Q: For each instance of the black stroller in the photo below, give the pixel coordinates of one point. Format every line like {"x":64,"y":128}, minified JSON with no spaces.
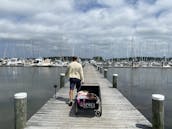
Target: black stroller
{"x":89,"y":98}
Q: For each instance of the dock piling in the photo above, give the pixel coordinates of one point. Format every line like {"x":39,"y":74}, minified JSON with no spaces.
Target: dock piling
{"x":55,"y":87}
{"x":115,"y":80}
{"x":98,"y":68}
{"x":101,"y":69}
{"x":158,"y":111}
{"x":62,"y":80}
{"x":20,"y":110}
{"x":105,"y":73}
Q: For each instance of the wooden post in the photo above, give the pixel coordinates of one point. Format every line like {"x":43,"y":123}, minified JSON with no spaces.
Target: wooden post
{"x":20,"y":110}
{"x":101,"y":69}
{"x":158,"y":111}
{"x":62,"y":80}
{"x":115,"y":80}
{"x":55,"y":87}
{"x":98,"y":68}
{"x":105,"y":73}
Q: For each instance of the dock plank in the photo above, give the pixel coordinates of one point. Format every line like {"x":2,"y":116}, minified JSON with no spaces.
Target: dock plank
{"x":117,"y":111}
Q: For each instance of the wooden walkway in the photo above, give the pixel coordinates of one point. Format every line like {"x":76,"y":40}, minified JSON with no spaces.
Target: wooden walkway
{"x":117,"y":111}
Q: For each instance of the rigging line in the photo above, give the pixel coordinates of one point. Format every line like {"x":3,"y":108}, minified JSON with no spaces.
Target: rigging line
{"x":32,"y":67}
{"x":5,"y":51}
{"x":14,"y":70}
{"x":24,"y":70}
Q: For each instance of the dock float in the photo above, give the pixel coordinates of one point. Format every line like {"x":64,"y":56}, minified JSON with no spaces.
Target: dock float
{"x":117,"y":111}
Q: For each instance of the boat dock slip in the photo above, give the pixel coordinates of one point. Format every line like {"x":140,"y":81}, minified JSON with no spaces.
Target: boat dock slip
{"x":117,"y":111}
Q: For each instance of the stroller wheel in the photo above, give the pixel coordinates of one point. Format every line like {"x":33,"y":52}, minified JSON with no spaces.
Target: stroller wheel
{"x":76,"y":113}
{"x":98,"y":113}
{"x":76,"y":108}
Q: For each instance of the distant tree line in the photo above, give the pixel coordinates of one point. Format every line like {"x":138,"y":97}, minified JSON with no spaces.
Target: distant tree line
{"x":99,"y":58}
{"x":64,"y":58}
{"x":142,"y":59}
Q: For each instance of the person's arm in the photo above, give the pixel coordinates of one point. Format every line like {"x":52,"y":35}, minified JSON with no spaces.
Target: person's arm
{"x":67,"y":72}
{"x":82,"y":75}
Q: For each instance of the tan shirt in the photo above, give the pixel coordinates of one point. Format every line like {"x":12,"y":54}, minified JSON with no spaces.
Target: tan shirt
{"x":74,"y":70}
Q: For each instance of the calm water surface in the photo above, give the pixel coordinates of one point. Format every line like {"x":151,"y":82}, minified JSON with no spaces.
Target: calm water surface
{"x":36,"y":81}
{"x":138,"y":85}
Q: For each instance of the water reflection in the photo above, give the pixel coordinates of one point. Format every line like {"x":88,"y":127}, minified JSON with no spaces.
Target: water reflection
{"x":37,"y":82}
{"x":138,"y":84}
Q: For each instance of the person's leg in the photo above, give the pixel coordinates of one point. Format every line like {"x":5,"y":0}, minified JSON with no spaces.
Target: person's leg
{"x":78,"y":84}
{"x":71,"y":91}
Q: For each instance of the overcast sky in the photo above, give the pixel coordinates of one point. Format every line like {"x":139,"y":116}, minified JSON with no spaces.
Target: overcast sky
{"x":86,"y":28}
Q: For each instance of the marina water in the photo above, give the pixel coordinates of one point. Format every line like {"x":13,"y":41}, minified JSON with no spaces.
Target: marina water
{"x":138,"y":85}
{"x":38,"y":82}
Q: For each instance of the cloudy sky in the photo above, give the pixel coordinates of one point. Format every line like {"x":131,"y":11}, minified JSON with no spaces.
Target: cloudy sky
{"x":86,"y":28}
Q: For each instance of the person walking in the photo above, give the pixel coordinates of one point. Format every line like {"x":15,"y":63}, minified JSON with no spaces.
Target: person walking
{"x":75,"y":74}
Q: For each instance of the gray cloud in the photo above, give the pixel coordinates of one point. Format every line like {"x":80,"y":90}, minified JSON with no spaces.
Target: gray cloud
{"x":105,"y":27}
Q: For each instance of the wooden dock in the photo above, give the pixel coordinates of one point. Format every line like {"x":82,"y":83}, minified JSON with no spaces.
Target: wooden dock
{"x":117,"y":111}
